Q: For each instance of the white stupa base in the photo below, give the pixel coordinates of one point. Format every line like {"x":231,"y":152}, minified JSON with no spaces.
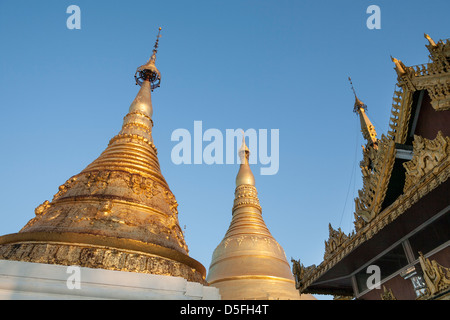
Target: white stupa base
{"x":26,"y":280}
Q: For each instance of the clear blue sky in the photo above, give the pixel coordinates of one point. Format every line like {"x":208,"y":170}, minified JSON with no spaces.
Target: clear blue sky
{"x":231,"y":64}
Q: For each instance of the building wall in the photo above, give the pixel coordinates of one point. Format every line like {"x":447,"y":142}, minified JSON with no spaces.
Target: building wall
{"x":36,"y":281}
{"x":403,"y":289}
{"x":442,"y":257}
{"x":431,"y":121}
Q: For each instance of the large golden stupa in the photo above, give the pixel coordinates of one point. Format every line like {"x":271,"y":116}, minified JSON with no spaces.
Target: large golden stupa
{"x":119,"y":212}
{"x":249,"y":263}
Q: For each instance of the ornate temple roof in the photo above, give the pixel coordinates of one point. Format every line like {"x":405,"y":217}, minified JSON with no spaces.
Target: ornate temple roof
{"x":249,"y":263}
{"x":422,"y":161}
{"x":119,"y":212}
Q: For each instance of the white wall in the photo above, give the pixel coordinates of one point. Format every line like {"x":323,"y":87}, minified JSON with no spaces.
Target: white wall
{"x":26,"y":280}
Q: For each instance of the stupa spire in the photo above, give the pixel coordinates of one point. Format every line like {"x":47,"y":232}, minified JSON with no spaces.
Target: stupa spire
{"x":430,"y":40}
{"x":245,"y":175}
{"x":139,"y":121}
{"x":149,"y":71}
{"x":367,"y":128}
{"x":249,"y":263}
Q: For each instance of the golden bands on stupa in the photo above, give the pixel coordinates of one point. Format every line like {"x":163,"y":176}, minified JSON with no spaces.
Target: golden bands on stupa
{"x":119,"y":212}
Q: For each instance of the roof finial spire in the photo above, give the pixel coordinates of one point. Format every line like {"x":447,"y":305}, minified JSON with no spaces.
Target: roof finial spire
{"x":358,"y":103}
{"x":430,"y":40}
{"x":400,"y":68}
{"x":351,"y":84}
{"x":367,"y":127}
{"x":148,"y":71}
{"x":155,"y":47}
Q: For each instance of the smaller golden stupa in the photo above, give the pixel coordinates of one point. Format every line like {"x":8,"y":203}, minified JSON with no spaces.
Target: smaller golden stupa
{"x":249,"y":263}
{"x":119,"y":212}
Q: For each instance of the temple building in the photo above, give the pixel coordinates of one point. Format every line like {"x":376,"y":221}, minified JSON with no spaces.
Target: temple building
{"x":400,"y":246}
{"x":249,"y":263}
{"x":117,"y":220}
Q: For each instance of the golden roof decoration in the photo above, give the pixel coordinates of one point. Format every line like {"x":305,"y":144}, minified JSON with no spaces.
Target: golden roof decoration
{"x":430,"y":157}
{"x":387,"y":294}
{"x":433,"y":76}
{"x":437,"y":277}
{"x":335,"y":240}
{"x":429,"y":167}
{"x":367,"y":127}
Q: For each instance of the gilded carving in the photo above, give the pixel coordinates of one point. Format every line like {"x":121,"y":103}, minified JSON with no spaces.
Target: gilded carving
{"x":142,"y":185}
{"x":135,"y":137}
{"x":428,"y":156}
{"x":254,"y":240}
{"x":41,"y":209}
{"x":40,"y":212}
{"x":171,"y":201}
{"x":111,"y":202}
{"x":246,"y":195}
{"x":440,"y":96}
{"x":104,"y":212}
{"x":434,"y":76}
{"x":97,"y":180}
{"x":340,"y":297}
{"x":437,"y":277}
{"x":64,"y":188}
{"x":359,"y":222}
{"x":98,"y":257}
{"x":300,"y":272}
{"x":376,"y":173}
{"x":397,"y":107}
{"x":387,"y":294}
{"x":336,"y":239}
{"x":121,"y":183}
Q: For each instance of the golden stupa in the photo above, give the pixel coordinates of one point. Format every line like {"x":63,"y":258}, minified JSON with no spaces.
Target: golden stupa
{"x":119,"y":212}
{"x":249,"y":263}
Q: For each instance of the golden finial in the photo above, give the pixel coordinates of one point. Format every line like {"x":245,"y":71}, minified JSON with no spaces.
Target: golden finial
{"x":367,"y":128}
{"x":149,"y":71}
{"x":432,"y":43}
{"x":155,"y":47}
{"x":358,"y":103}
{"x":245,"y":175}
{"x":244,"y":152}
{"x":399,"y":66}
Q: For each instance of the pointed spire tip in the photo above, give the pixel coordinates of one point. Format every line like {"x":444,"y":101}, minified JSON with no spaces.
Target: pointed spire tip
{"x":430,"y":40}
{"x":149,"y":71}
{"x":358,"y":103}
